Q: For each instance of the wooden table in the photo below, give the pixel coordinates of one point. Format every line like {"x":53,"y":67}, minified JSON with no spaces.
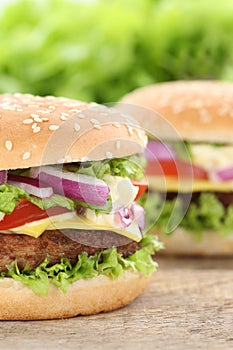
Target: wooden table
{"x":189,"y":305}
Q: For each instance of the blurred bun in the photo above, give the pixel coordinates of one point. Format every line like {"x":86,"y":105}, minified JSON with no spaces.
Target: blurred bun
{"x":198,"y":110}
{"x":183,"y":242}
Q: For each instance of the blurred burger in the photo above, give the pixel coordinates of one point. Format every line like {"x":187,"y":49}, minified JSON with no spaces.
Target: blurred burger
{"x":190,"y":163}
{"x":70,"y":229}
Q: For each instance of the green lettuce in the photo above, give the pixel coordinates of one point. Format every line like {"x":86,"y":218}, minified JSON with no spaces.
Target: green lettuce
{"x":93,"y":52}
{"x":206,"y":213}
{"x":131,"y":167}
{"x":108,"y":262}
{"x":10,"y":196}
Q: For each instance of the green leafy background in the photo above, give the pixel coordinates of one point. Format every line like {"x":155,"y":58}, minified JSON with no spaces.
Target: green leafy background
{"x":99,"y":50}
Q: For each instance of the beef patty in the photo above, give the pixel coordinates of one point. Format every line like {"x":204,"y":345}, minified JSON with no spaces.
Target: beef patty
{"x":55,"y":244}
{"x":226,"y":198}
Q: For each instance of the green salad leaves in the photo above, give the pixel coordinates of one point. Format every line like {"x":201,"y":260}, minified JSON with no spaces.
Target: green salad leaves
{"x":99,"y":50}
{"x":206,"y":213}
{"x":108,"y":262}
{"x":131,"y":167}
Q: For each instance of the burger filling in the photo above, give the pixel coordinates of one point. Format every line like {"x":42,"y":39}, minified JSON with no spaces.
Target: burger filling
{"x":191,"y":187}
{"x":80,"y":220}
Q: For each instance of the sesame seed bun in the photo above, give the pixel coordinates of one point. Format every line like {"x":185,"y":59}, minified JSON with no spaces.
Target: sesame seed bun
{"x":84,"y":297}
{"x":197,"y":110}
{"x":38,"y":130}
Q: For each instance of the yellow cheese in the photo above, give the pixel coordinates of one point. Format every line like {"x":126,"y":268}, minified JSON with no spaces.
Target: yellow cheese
{"x":212,"y":157}
{"x":73,"y":221}
{"x":171,"y":184}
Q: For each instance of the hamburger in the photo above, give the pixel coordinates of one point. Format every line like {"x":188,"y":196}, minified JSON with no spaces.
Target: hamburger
{"x":70,"y":229}
{"x":190,"y":164}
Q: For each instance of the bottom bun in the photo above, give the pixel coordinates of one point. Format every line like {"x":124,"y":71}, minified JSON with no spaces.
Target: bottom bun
{"x":84,"y":297}
{"x":183,"y":242}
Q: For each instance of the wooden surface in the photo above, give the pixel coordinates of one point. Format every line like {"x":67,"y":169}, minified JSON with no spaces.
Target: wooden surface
{"x":189,"y":305}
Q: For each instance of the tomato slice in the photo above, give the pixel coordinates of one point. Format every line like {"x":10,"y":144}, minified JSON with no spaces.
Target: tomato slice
{"x":26,"y":212}
{"x":175,"y":168}
{"x":142,"y":185}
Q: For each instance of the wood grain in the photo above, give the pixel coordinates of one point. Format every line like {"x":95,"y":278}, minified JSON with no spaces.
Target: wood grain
{"x":189,"y":305}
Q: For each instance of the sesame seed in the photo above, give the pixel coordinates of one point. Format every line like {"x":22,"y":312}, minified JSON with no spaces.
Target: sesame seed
{"x":61,"y":161}
{"x":204,"y":116}
{"x":118,"y":144}
{"x":8,"y":145}
{"x":51,"y":107}
{"x":44,"y":119}
{"x":53,"y":127}
{"x":145,"y":140}
{"x":34,"y":125}
{"x":74,"y":110}
{"x":68,"y":159}
{"x":97,"y":127}
{"x":26,"y":155}
{"x":108,"y":155}
{"x":19,"y":109}
{"x":28,"y":121}
{"x":116,"y":124}
{"x":63,"y":117}
{"x":77,"y":127}
{"x":84,"y":159}
{"x":94,"y":121}
{"x":139,"y":133}
{"x":36,"y":129}
{"x":34,"y":115}
{"x":81,"y":115}
{"x":38,"y":120}
{"x":130,"y":130}
{"x":43,"y":111}
{"x":49,"y":97}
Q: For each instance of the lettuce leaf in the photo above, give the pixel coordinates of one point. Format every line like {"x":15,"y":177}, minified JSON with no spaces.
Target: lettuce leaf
{"x":108,"y":262}
{"x":131,"y":167}
{"x":207,"y":213}
{"x":9,"y":197}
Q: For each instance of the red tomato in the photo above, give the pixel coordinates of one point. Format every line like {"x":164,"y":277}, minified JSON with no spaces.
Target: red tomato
{"x":26,"y":212}
{"x":175,"y":168}
{"x":142,"y":185}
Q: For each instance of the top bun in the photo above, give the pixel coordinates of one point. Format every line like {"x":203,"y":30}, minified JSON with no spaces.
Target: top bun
{"x":197,"y":110}
{"x":38,"y":130}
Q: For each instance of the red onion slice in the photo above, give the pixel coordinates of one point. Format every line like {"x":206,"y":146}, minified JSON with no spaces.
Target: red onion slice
{"x":225,"y":174}
{"x":79,"y":187}
{"x":3,"y":177}
{"x":124,"y":216}
{"x":159,"y":150}
{"x":139,"y":215}
{"x":32,"y":186}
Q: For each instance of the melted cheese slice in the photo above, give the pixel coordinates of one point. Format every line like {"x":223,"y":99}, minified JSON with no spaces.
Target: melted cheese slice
{"x":212,"y":157}
{"x":73,"y":221}
{"x":171,"y":184}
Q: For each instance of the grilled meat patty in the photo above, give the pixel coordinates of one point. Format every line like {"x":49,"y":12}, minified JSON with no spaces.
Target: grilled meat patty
{"x":224,"y":197}
{"x":54,"y":245}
